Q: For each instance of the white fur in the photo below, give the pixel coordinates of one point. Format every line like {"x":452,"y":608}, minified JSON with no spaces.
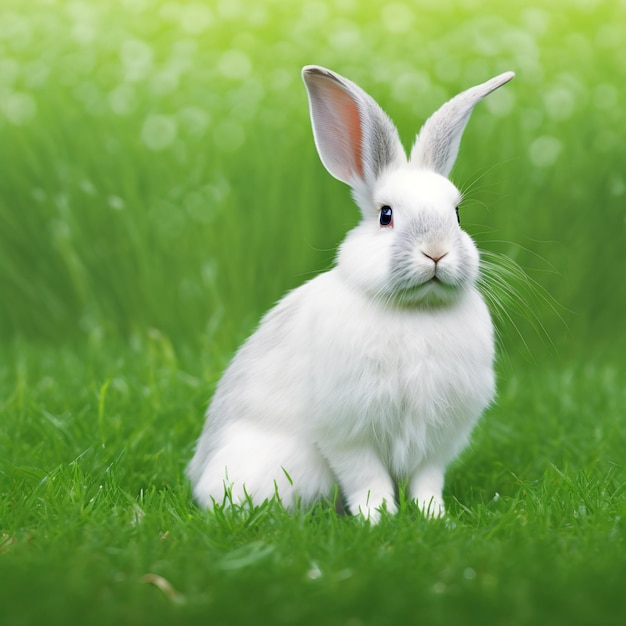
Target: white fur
{"x":371,"y":374}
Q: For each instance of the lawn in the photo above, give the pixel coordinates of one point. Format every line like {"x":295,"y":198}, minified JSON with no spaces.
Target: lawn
{"x":160,"y":190}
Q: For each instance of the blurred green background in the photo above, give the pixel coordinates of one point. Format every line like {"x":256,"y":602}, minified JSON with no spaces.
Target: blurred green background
{"x":159,"y":172}
{"x":160,"y":190}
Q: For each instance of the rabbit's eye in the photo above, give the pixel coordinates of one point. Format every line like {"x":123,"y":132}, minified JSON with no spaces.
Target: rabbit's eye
{"x":458,"y":217}
{"x":386,"y":216}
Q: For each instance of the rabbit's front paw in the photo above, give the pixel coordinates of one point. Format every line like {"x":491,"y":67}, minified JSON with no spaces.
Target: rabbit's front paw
{"x":371,"y":508}
{"x":432,"y":507}
{"x":425,"y":487}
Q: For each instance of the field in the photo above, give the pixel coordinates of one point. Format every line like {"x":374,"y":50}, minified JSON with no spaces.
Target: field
{"x":160,"y":190}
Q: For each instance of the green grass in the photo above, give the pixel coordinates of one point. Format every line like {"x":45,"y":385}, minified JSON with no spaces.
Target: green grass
{"x":160,"y":190}
{"x":94,"y":500}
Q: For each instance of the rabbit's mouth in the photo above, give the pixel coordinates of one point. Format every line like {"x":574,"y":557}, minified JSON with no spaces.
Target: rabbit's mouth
{"x":433,"y":292}
{"x":437,"y":284}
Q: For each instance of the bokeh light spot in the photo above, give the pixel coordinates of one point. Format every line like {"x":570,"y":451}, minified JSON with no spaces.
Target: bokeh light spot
{"x":501,"y":102}
{"x":19,"y":108}
{"x":229,"y":135}
{"x":193,"y":120}
{"x":605,"y":96}
{"x":234,"y":64}
{"x":116,"y":203}
{"x":158,"y":132}
{"x":123,"y":100}
{"x":397,"y":18}
{"x":544,"y":151}
{"x":195,"y":18}
{"x":560,"y":103}
{"x":136,"y":57}
{"x":229,"y":9}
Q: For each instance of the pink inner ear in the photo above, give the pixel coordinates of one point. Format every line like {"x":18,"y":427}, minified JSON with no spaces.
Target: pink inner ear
{"x":349,"y":131}
{"x":352,"y":119}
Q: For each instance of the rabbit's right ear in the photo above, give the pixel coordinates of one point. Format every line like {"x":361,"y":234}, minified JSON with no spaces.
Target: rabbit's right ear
{"x":355,"y":139}
{"x":437,"y":144}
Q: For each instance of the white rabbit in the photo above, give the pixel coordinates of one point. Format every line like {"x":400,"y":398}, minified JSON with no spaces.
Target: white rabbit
{"x":373,"y":373}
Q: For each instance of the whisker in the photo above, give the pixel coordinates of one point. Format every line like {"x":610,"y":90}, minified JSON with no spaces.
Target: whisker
{"x":466,"y":188}
{"x":529,"y":251}
{"x":509,"y":291}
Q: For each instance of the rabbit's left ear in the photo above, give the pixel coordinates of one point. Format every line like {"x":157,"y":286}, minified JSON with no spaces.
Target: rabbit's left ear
{"x":437,"y":144}
{"x":355,"y":139}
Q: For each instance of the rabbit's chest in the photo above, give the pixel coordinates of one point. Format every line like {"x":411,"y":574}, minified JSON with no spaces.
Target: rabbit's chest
{"x":391,"y":372}
{"x":404,"y":381}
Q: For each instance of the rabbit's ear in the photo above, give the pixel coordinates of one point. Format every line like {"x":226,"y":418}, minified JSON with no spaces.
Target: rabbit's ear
{"x":437,"y":143}
{"x":355,"y":139}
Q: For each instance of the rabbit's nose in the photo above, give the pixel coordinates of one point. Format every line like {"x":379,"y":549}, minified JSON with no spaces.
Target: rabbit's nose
{"x":434,"y":255}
